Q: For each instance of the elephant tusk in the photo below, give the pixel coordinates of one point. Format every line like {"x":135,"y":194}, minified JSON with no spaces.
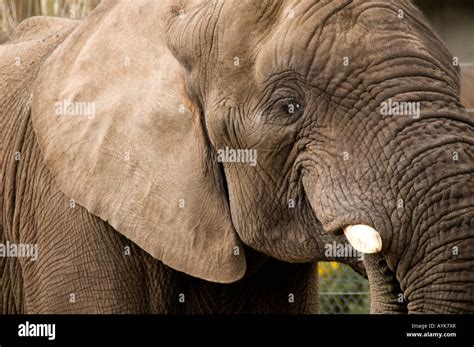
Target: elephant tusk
{"x":363,"y":238}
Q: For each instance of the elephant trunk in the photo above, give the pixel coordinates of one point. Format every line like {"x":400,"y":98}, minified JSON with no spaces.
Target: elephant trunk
{"x":385,"y":293}
{"x":411,"y":181}
{"x":442,"y":282}
{"x":436,"y":270}
{"x":432,"y":252}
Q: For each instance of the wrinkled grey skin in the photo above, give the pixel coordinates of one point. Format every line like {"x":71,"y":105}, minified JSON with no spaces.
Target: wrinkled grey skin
{"x":82,"y":266}
{"x":428,"y":241}
{"x":336,"y":156}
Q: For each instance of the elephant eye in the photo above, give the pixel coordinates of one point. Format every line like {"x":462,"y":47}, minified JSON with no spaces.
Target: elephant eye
{"x":290,"y":106}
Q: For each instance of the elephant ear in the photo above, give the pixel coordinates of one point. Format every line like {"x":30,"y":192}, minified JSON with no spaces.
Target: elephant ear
{"x":121,"y":138}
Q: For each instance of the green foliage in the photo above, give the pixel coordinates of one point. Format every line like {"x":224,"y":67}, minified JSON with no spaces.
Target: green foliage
{"x":342,"y":290}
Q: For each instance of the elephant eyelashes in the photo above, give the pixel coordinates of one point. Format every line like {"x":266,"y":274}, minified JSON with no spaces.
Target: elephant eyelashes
{"x":290,"y":107}
{"x":285,"y":111}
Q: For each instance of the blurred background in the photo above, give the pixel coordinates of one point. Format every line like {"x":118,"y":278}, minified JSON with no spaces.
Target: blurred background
{"x":341,"y":289}
{"x":12,"y":12}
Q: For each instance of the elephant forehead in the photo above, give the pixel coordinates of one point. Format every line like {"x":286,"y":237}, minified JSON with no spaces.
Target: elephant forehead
{"x":309,"y":43}
{"x":318,"y":39}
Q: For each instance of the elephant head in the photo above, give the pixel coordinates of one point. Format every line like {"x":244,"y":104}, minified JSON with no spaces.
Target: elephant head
{"x":194,"y":126}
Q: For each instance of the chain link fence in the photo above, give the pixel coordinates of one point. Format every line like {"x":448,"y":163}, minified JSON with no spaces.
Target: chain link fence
{"x":342,"y":290}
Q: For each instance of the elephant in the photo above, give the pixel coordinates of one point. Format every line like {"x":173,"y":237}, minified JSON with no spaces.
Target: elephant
{"x":200,"y":156}
{"x":84,"y":264}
